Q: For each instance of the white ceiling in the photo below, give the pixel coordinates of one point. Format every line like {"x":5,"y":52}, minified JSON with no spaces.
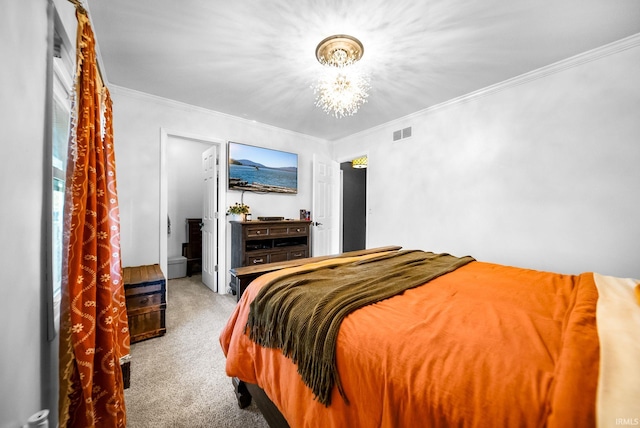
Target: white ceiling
{"x":256,"y":59}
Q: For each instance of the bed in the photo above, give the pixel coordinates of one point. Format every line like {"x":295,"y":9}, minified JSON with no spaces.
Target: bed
{"x":469,"y":344}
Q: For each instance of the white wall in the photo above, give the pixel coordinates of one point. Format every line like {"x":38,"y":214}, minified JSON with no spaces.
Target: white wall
{"x":542,"y":172}
{"x":25,"y":386}
{"x":138,"y":120}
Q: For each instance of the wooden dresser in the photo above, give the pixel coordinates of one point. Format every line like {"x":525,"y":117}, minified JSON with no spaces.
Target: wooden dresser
{"x":260,"y":242}
{"x":242,"y":276}
{"x":145,"y":292}
{"x":192,"y":249}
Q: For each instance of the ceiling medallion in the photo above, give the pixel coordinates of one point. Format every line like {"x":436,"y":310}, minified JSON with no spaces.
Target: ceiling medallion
{"x":338,"y":49}
{"x":342,"y":86}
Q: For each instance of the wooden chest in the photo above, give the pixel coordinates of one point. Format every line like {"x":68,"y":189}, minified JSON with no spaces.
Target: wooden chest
{"x":145,"y":291}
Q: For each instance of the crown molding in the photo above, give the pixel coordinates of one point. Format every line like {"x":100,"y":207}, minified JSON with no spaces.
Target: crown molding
{"x":557,"y":67}
{"x":197,"y":109}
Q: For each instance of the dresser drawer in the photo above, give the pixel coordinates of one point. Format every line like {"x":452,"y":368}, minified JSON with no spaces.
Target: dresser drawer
{"x":252,"y":232}
{"x":270,"y":257}
{"x":298,"y":230}
{"x":279,"y":230}
{"x":298,"y":254}
{"x":278,"y":257}
{"x":257,"y":259}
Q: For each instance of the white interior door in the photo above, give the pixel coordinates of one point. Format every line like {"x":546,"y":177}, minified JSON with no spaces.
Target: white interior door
{"x":209,"y":218}
{"x":326,"y":206}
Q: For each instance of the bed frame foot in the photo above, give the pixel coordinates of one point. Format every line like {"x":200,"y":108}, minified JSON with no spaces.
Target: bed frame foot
{"x":242,"y":393}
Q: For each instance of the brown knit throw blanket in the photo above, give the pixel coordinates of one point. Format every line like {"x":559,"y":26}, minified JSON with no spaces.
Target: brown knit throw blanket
{"x":301,"y":313}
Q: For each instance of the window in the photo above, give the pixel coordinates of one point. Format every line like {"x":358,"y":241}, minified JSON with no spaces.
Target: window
{"x":60,"y":137}
{"x":60,"y":128}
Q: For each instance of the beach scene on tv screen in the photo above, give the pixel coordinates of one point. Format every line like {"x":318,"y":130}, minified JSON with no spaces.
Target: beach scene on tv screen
{"x":260,"y":169}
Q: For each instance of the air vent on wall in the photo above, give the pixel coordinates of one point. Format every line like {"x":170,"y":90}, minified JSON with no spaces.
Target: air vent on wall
{"x":401,"y":133}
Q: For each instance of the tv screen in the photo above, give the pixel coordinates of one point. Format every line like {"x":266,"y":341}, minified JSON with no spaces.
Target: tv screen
{"x":259,"y":169}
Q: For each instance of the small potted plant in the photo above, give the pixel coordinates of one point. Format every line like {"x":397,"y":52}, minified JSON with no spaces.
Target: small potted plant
{"x":238,"y":211}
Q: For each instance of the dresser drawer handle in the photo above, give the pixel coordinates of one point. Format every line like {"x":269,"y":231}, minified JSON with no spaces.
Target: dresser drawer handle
{"x":297,"y":254}
{"x":298,"y":230}
{"x":144,"y":301}
{"x":256,"y":261}
{"x":258,"y":232}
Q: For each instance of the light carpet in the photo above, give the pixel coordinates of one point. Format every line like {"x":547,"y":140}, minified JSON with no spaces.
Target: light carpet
{"x":178,"y":380}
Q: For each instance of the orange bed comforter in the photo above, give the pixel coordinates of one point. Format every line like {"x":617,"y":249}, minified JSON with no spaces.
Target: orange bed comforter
{"x":484,"y":346}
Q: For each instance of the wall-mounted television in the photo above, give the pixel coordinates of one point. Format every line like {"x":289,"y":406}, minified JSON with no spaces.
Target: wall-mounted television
{"x":259,"y":169}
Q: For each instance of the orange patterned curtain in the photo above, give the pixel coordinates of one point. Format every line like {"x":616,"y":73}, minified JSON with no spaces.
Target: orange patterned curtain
{"x":94,"y":335}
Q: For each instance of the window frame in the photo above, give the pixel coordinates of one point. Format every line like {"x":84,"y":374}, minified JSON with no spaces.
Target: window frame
{"x":61,"y":86}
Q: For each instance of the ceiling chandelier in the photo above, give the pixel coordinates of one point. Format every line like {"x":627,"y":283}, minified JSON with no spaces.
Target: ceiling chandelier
{"x":342,"y":86}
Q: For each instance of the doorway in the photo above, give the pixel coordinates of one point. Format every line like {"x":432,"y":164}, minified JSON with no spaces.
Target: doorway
{"x":183,"y":199}
{"x":354,"y":205}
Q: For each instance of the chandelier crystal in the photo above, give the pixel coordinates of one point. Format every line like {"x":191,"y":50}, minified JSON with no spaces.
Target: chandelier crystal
{"x":342,"y":86}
